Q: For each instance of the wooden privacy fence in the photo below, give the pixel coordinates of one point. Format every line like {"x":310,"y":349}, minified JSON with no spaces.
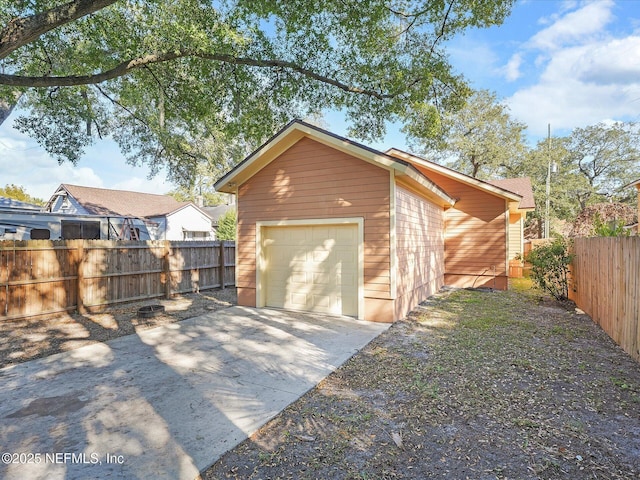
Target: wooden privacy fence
{"x":40,"y":277}
{"x":606,"y":285}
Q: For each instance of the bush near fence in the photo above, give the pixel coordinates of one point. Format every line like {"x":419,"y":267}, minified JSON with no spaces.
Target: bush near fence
{"x":40,"y":277}
{"x":605,"y":284}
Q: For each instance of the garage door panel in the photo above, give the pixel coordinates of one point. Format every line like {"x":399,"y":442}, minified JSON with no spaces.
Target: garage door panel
{"x":312,"y":268}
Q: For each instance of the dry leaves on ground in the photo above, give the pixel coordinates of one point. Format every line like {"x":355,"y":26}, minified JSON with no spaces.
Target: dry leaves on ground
{"x":473,"y":384}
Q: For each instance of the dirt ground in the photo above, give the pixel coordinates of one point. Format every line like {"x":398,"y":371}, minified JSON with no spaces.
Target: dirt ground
{"x":473,"y":384}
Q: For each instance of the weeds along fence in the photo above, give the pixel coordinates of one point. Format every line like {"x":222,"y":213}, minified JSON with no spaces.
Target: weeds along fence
{"x":40,"y":277}
{"x":606,"y":285}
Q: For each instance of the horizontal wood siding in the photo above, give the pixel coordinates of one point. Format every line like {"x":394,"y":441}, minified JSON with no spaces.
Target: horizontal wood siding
{"x":475,"y":236}
{"x":515,"y":235}
{"x":312,"y":180}
{"x":419,"y":248}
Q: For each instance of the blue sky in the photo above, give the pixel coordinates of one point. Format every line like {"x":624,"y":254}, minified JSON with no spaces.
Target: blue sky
{"x":567,"y":63}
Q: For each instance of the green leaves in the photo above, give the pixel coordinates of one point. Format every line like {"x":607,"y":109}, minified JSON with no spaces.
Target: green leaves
{"x":550,"y":267}
{"x":227,"y":226}
{"x":164,"y":76}
{"x":480,"y":139}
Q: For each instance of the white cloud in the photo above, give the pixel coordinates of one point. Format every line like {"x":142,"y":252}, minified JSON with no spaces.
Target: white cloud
{"x":512,"y":69}
{"x":581,"y":86}
{"x":615,"y":62}
{"x":24,"y":163}
{"x":574,"y":27}
{"x":582,"y":74}
{"x":138,"y":184}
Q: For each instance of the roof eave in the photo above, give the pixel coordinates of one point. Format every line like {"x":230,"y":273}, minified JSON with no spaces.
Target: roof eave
{"x":456,"y":175}
{"x":431,"y":189}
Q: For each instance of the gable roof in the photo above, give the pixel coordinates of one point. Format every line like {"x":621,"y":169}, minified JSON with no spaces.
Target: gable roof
{"x":513,"y":190}
{"x":521,"y":186}
{"x":215,"y":212}
{"x":102,"y":201}
{"x":296,"y":130}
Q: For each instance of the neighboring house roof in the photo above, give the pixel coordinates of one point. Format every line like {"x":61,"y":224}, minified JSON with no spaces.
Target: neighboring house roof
{"x":12,"y":204}
{"x":521,"y":186}
{"x":297,"y":129}
{"x":102,"y":201}
{"x":216,"y":212}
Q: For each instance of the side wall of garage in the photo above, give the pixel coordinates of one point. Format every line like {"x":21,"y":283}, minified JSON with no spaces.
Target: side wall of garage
{"x":419,"y":247}
{"x":313,"y":181}
{"x":475,"y":236}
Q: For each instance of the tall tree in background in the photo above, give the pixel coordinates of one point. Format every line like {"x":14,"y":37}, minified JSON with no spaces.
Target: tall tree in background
{"x":565,"y":183}
{"x":161,"y":77}
{"x":18,"y":192}
{"x":481,"y":139}
{"x":608,"y":157}
{"x":593,"y":163}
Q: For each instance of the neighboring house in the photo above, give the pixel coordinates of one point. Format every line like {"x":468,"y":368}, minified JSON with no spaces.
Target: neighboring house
{"x":328,"y":225}
{"x":215,"y":213}
{"x":153,"y":217}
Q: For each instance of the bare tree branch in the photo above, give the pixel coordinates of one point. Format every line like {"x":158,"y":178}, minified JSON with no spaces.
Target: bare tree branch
{"x":23,"y":30}
{"x":127,"y":67}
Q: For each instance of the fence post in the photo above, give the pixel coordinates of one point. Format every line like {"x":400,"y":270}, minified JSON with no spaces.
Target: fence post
{"x":167,"y":269}
{"x":223,"y":265}
{"x":80,"y":290}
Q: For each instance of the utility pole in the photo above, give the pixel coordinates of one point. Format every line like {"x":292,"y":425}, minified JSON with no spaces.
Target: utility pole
{"x":552,"y":167}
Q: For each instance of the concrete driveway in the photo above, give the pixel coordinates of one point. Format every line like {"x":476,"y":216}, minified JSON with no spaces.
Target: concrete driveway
{"x":165,"y":403}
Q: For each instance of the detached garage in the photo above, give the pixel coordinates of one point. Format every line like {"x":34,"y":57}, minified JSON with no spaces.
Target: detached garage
{"x":328,"y":225}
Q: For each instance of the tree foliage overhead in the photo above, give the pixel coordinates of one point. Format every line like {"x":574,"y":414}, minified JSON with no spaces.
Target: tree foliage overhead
{"x":481,"y":139}
{"x":163,"y":76}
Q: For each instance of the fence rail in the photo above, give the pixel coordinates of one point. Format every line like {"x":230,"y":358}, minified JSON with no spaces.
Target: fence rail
{"x":606,"y":285}
{"x":40,"y":277}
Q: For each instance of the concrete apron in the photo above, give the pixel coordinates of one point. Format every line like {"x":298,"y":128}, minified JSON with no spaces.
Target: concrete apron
{"x":165,"y":403}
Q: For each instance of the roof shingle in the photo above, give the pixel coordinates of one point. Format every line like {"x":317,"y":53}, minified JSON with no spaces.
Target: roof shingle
{"x":102,"y":201}
{"x":520,"y":186}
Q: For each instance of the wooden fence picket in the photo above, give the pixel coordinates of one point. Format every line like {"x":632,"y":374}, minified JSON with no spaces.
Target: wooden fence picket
{"x":41,"y":277}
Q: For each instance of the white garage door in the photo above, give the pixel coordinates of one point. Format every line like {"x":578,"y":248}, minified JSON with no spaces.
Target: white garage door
{"x":312,"y":268}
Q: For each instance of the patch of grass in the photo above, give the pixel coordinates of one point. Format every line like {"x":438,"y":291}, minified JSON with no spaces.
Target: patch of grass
{"x":489,"y":374}
{"x":620,"y":383}
{"x":562,"y":331}
{"x":485,"y":322}
{"x":576,"y":426}
{"x":426,"y":388}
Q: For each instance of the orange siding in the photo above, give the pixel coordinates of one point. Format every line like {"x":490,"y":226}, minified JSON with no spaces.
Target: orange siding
{"x":420,"y":249}
{"x":312,"y":180}
{"x":475,"y":236}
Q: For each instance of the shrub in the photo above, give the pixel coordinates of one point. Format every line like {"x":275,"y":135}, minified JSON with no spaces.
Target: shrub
{"x":550,"y":268}
{"x":227,"y":226}
{"x":612,"y":228}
